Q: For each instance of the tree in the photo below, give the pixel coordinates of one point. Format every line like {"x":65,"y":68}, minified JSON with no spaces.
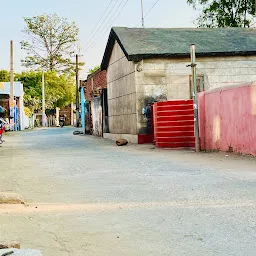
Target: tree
{"x":59,"y":89}
{"x":92,"y":70}
{"x":32,"y":86}
{"x":225,"y":13}
{"x":4,"y":76}
{"x":50,"y":43}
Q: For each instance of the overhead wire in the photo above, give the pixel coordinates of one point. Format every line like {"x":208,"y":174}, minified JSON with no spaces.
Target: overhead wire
{"x":148,"y":12}
{"x":118,"y":10}
{"x":106,"y":14}
{"x":108,"y":22}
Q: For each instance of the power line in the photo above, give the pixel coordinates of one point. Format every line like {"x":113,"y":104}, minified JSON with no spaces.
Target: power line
{"x":91,"y":42}
{"x":101,"y":17}
{"x":148,"y":12}
{"x":106,"y":28}
{"x":94,"y":31}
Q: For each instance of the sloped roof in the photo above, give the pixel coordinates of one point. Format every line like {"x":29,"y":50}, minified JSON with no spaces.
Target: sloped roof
{"x":141,"y":43}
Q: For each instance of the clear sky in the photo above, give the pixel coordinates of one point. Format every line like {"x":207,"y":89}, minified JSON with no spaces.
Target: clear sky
{"x":87,"y":13}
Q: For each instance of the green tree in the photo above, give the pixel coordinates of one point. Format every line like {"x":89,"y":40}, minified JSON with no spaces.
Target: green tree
{"x":59,"y":89}
{"x":50,"y":43}
{"x":4,"y":76}
{"x":92,"y":70}
{"x":225,"y":13}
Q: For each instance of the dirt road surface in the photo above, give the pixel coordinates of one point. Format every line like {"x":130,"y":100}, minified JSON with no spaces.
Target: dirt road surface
{"x":86,"y":196}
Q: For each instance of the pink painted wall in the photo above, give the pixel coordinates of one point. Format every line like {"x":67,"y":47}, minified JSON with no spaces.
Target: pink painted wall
{"x":228,"y":119}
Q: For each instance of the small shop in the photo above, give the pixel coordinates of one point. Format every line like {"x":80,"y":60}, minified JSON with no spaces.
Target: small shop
{"x":15,"y":116}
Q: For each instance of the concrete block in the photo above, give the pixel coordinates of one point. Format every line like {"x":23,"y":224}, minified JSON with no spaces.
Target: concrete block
{"x":11,"y":198}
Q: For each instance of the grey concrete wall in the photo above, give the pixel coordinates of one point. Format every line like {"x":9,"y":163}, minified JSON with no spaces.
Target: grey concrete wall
{"x":121,"y":94}
{"x":151,"y":86}
{"x":217,"y":72}
{"x":132,"y":87}
{"x":166,"y":79}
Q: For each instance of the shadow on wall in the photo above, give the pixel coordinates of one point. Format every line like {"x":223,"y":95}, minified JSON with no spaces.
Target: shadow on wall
{"x":145,"y":119}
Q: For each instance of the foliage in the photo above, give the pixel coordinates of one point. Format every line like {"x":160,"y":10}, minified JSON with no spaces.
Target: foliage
{"x":92,"y":70}
{"x":59,"y":90}
{"x":225,"y":13}
{"x":4,"y":76}
{"x":28,"y":111}
{"x":50,"y":43}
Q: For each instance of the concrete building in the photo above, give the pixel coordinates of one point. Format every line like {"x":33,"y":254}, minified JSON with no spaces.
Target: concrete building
{"x":94,"y":94}
{"x":148,"y":65}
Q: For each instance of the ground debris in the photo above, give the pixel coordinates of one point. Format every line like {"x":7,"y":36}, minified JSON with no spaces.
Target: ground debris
{"x":77,"y":132}
{"x":10,"y":198}
{"x":11,"y":245}
{"x":121,"y":142}
{"x":8,"y":253}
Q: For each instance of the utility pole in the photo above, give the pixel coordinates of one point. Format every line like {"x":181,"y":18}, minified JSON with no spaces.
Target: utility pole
{"x":43,"y":102}
{"x":11,"y":101}
{"x":142,"y":14}
{"x":77,"y":92}
{"x":195,"y":99}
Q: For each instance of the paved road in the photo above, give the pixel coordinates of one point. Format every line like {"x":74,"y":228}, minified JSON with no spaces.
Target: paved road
{"x":86,"y":196}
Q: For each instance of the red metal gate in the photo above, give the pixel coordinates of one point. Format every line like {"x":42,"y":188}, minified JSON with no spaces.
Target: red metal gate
{"x":174,"y":124}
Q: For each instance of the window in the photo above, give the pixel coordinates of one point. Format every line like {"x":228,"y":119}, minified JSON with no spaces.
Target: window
{"x":199,"y":84}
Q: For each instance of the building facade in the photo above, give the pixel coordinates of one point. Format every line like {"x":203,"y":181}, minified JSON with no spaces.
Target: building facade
{"x":93,"y":89}
{"x":150,"y":65}
{"x":19,"y":118}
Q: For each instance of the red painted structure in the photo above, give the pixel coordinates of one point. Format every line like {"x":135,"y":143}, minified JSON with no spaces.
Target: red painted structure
{"x":174,"y":124}
{"x":94,"y":84}
{"x":228,"y":119}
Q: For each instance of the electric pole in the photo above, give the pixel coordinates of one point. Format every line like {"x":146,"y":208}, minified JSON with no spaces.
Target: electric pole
{"x":43,"y":102}
{"x":195,"y":98}
{"x":142,"y":14}
{"x":11,"y":101}
{"x":77,"y":92}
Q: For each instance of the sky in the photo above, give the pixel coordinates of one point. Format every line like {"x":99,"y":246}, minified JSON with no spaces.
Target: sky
{"x":87,"y":15}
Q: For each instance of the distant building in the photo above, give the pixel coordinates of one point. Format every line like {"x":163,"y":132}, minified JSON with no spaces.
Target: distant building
{"x":94,"y":89}
{"x":148,"y":65}
{"x":19,"y":116}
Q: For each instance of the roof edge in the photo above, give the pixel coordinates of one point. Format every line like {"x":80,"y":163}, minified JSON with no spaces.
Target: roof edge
{"x":113,"y":36}
{"x":109,"y":47}
{"x":139,"y":57}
